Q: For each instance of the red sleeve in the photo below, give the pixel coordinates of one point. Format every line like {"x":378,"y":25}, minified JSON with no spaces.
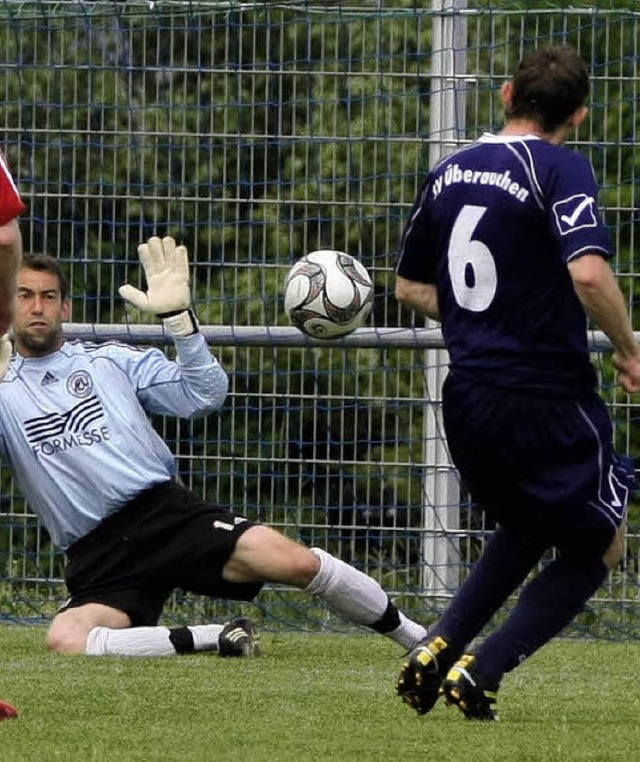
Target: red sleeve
{"x":11,"y":205}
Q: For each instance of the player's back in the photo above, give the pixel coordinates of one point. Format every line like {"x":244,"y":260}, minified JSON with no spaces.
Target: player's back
{"x":497,"y":223}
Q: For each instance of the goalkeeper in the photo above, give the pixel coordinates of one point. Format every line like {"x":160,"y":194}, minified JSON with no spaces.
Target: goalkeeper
{"x":74,"y":428}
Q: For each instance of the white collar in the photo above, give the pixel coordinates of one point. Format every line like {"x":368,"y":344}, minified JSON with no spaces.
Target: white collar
{"x":489,"y":137}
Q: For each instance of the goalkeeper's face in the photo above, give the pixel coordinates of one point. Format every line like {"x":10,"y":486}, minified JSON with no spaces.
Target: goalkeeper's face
{"x":39,"y":313}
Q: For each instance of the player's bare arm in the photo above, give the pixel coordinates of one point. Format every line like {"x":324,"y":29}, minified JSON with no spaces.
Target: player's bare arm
{"x":603,"y":301}
{"x":421,"y":297}
{"x":11,"y":207}
{"x":10,"y":257}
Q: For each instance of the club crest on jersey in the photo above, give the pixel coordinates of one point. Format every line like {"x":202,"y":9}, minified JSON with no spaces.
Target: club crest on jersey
{"x":79,"y":384}
{"x":575,"y":213}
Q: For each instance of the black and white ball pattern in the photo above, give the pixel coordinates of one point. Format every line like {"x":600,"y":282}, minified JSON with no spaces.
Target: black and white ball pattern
{"x":328,"y":294}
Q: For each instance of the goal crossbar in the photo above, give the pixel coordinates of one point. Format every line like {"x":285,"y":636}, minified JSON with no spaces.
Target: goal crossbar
{"x":267,"y":336}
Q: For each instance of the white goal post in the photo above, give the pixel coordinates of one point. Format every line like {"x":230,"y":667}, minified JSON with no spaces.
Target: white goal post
{"x":441,"y":489}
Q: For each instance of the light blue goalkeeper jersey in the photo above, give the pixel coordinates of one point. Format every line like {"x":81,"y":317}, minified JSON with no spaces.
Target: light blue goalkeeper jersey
{"x":74,"y":429}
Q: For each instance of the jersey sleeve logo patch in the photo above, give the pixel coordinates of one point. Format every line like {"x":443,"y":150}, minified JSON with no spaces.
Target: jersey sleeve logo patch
{"x":575,"y":213}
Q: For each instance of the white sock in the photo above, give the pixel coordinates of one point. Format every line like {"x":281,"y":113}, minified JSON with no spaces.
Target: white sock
{"x":408,"y":633}
{"x":360,"y":599}
{"x":205,"y":636}
{"x":152,"y":641}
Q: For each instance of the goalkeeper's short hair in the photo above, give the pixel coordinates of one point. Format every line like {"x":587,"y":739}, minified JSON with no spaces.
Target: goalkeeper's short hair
{"x":47,"y":263}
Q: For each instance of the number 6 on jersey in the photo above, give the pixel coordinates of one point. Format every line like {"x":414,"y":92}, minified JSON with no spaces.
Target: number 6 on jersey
{"x":471,"y":265}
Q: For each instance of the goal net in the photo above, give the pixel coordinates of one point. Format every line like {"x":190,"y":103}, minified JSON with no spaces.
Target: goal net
{"x":256,"y":132}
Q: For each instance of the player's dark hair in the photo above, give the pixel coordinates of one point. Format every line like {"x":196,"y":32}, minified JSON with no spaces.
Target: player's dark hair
{"x":47,"y":263}
{"x":549,"y":85}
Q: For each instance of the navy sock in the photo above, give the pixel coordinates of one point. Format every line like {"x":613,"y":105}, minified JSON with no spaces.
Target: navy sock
{"x":503,"y":566}
{"x":545,"y":607}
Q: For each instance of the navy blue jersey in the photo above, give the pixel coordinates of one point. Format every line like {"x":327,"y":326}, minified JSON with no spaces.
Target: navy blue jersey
{"x":494,"y":227}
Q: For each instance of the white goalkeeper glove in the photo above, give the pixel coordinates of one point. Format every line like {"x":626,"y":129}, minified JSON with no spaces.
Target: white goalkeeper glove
{"x":6,"y":350}
{"x":166,"y":268}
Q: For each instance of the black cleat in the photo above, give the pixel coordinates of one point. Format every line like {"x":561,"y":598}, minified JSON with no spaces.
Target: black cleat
{"x":465,"y":688}
{"x":239,"y":638}
{"x":421,"y":675}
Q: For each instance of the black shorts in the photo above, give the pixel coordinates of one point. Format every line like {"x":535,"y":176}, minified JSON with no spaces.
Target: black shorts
{"x":165,"y":538}
{"x":543,"y":467}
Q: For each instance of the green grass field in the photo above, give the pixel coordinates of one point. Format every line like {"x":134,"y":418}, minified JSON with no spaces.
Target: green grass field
{"x":309,"y":697}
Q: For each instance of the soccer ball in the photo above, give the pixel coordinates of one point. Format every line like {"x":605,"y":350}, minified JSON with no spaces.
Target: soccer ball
{"x":328,"y":294}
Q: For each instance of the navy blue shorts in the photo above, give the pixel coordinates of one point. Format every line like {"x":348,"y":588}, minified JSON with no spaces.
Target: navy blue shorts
{"x":166,"y":538}
{"x":543,"y":467}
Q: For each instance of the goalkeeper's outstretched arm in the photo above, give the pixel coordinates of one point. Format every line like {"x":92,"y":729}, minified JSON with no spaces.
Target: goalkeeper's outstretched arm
{"x":196,"y":384}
